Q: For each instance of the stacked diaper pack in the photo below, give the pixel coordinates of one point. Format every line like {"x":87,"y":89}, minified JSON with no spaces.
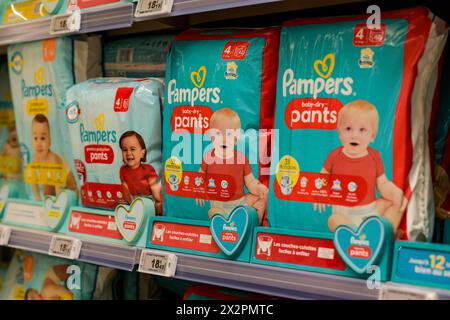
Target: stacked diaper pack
{"x":40,"y":73}
{"x":215,"y":109}
{"x":102,"y":117}
{"x":14,"y":11}
{"x":137,"y":57}
{"x":350,"y":109}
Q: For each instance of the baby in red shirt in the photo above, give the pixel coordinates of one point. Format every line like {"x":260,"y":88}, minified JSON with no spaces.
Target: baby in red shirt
{"x":138,"y":178}
{"x":223,"y":159}
{"x":357,"y":127}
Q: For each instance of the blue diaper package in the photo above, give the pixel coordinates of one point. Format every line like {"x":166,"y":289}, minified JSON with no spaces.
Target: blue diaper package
{"x":10,"y":169}
{"x":137,"y":57}
{"x":14,"y":11}
{"x":40,"y":73}
{"x":114,"y":129}
{"x":52,"y":278}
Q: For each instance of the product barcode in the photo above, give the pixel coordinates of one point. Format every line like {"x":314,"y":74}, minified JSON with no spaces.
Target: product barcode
{"x":125,"y":55}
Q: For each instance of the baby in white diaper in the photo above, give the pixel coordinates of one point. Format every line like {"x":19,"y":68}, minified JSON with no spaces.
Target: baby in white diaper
{"x":41,"y":142}
{"x":357,"y":127}
{"x":223,"y":159}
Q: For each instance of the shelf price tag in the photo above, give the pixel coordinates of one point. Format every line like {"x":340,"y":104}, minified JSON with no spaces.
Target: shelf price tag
{"x":5,"y":233}
{"x":158,"y":262}
{"x":389,"y":292}
{"x":66,"y":23}
{"x":65,"y":247}
{"x":146,"y":8}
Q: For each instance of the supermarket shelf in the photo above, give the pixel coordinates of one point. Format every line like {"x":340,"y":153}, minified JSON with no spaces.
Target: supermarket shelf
{"x":100,"y":253}
{"x":107,"y":18}
{"x":288,"y":283}
{"x":185,"y":7}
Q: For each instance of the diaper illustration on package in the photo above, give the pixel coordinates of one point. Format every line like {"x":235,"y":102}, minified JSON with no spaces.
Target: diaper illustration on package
{"x":351,"y":138}
{"x":114,"y":127}
{"x":217,"y":119}
{"x":40,"y":74}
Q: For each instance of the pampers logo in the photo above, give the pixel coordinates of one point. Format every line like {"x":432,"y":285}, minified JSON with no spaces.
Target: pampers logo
{"x":16,"y":63}
{"x":324,"y":68}
{"x":40,"y":89}
{"x":100,"y":135}
{"x":312,"y":112}
{"x":192,"y":95}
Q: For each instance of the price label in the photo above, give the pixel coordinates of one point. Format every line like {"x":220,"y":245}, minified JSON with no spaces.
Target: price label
{"x":389,"y":292}
{"x":5,"y":233}
{"x":66,"y":23}
{"x":158,"y":262}
{"x":65,"y":247}
{"x":146,"y":8}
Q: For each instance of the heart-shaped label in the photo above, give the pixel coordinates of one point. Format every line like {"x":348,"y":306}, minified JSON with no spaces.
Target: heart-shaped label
{"x":324,"y":67}
{"x":56,"y":208}
{"x":229,"y":231}
{"x":130,"y":219}
{"x":99,"y":122}
{"x":198,"y":77}
{"x":360,"y":249}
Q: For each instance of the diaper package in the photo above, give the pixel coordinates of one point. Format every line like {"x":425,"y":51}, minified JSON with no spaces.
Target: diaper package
{"x":137,"y":57}
{"x":219,"y":105}
{"x":86,"y":4}
{"x":13,"y":281}
{"x":113,"y":126}
{"x":10,"y":169}
{"x":13,"y":11}
{"x":40,"y":73}
{"x":52,"y":278}
{"x":353,"y":110}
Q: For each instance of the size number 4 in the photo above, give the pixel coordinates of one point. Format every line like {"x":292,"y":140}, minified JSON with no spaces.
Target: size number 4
{"x":158,"y":262}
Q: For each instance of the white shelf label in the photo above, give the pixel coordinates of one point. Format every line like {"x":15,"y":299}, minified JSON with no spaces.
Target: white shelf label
{"x":146,"y":8}
{"x":66,"y":23}
{"x":405,"y":293}
{"x":158,"y":262}
{"x":65,"y":247}
{"x":5,"y":233}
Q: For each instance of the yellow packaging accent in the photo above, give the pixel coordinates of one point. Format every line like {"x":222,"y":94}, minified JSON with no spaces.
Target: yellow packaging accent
{"x":6,"y":117}
{"x":173,"y":168}
{"x":9,"y":165}
{"x":288,"y":166}
{"x":24,"y":11}
{"x":46,"y":174}
{"x":54,"y":214}
{"x":36,"y":106}
{"x":19,"y":293}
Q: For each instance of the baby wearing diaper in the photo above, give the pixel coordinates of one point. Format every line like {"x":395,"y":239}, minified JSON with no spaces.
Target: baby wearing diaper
{"x":53,"y":287}
{"x":357,"y":127}
{"x":41,"y":142}
{"x":223,"y":159}
{"x":138,"y":178}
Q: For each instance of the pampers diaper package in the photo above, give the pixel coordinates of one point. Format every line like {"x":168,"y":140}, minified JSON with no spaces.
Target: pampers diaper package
{"x":113,"y":126}
{"x":218,"y":109}
{"x":353,"y":109}
{"x":10,"y":168}
{"x":137,"y":57}
{"x":40,"y":73}
{"x":51,"y":278}
{"x":13,"y":11}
